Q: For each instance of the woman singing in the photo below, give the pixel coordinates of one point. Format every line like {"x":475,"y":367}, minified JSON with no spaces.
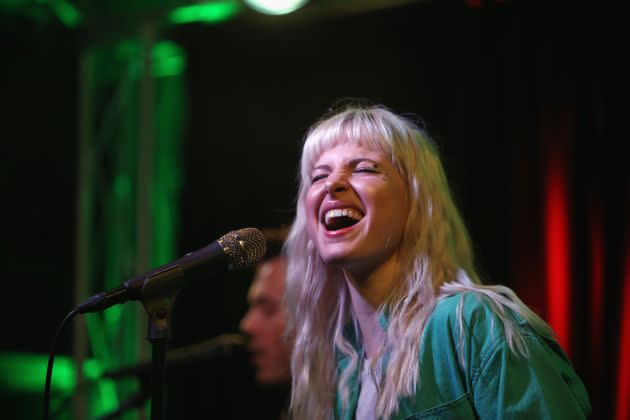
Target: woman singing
{"x":389,"y":317}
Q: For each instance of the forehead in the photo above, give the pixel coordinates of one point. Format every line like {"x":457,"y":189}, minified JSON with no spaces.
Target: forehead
{"x":345,"y":152}
{"x":268,"y":280}
{"x":328,"y":136}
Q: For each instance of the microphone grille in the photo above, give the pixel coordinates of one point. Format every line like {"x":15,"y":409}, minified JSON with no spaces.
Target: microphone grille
{"x":243,"y":247}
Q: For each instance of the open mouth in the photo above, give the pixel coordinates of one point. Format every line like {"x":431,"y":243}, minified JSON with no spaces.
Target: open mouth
{"x":337,"y":219}
{"x":255,"y":354}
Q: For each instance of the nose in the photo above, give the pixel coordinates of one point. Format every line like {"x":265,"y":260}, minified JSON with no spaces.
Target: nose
{"x":246,"y":323}
{"x":336,"y":182}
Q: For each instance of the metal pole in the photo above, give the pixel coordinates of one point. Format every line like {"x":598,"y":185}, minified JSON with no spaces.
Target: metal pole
{"x":146,"y":142}
{"x":84,"y":209}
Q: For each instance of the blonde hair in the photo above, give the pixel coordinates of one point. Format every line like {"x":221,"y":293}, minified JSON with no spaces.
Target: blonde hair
{"x":436,"y":260}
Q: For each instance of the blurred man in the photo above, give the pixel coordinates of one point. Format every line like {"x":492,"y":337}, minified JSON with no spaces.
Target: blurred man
{"x":264,"y":322}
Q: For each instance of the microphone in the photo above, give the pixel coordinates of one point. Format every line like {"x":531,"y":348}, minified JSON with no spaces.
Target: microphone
{"x":237,"y":249}
{"x":224,"y":345}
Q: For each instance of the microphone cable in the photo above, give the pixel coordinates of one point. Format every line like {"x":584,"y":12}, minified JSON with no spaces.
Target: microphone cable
{"x":51,"y":359}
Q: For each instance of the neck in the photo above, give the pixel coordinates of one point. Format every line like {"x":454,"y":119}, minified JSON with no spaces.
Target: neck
{"x":367,"y":293}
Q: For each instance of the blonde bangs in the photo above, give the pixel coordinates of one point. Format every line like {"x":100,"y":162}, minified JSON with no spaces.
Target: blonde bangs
{"x":366,"y":128}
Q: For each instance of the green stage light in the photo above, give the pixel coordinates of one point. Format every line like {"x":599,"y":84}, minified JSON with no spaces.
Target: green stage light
{"x":66,"y":12}
{"x":275,"y":7}
{"x":26,"y":372}
{"x":168,"y":60}
{"x":211,"y":12}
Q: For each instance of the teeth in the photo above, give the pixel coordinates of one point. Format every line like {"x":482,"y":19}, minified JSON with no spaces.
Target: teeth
{"x":351,"y":213}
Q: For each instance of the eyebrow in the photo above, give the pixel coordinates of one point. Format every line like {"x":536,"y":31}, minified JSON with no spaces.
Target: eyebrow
{"x":264,"y":301}
{"x":353,"y":162}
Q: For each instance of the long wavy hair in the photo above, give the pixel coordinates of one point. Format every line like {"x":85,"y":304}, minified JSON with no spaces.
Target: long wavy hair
{"x":436,"y":260}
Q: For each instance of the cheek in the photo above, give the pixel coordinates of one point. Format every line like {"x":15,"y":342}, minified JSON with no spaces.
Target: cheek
{"x":401,"y":212}
{"x":311,"y":206}
{"x":312,"y":198}
{"x":392,"y":209}
{"x":278,"y":323}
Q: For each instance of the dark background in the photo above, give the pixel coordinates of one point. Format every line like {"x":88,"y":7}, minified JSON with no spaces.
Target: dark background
{"x":499,"y":85}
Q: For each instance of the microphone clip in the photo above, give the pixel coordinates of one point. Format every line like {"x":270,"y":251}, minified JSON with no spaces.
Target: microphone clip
{"x":158,"y":296}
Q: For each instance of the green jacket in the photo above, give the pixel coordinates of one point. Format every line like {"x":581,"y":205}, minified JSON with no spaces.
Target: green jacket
{"x":493,"y":383}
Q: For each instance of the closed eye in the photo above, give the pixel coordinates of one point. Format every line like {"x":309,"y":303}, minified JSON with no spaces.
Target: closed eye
{"x":318,"y":177}
{"x":366,"y":170}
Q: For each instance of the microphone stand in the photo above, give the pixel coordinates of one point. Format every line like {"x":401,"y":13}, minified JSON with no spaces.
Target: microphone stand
{"x":158,"y":296}
{"x":222,"y":345}
{"x":135,"y":400}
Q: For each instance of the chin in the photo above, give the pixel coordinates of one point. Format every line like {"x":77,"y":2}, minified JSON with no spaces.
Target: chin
{"x":343,"y":255}
{"x":271,"y":379}
{"x":335,"y":254}
{"x":336,"y":259}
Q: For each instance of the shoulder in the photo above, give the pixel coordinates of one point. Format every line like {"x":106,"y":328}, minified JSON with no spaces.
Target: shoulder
{"x":468,"y":309}
{"x":472,"y":322}
{"x":470,"y":301}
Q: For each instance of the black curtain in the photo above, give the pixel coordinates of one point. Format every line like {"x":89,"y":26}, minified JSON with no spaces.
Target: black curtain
{"x":509,"y":91}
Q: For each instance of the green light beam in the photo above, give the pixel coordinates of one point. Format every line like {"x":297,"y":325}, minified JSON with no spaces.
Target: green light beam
{"x":26,"y":372}
{"x":66,"y":12}
{"x":214,"y":12}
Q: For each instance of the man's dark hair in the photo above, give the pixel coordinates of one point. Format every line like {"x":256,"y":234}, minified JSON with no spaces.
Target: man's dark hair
{"x":274,"y":237}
